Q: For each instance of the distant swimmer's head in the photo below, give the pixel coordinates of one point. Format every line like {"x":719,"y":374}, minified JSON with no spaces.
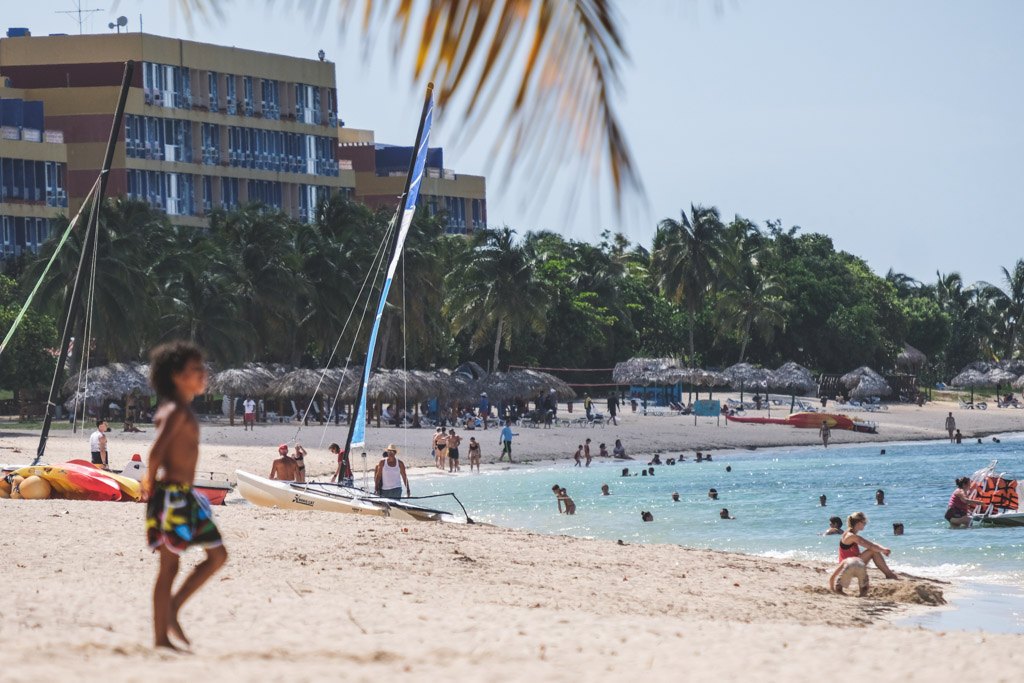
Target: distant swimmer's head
{"x":856,"y":521}
{"x":675,"y":496}
{"x":604,"y":490}
{"x":835,"y":522}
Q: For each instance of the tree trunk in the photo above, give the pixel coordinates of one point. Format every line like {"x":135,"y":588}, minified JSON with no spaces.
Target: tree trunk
{"x":746,"y":338}
{"x":497,"y":343}
{"x":231,"y":412}
{"x":692,"y":354}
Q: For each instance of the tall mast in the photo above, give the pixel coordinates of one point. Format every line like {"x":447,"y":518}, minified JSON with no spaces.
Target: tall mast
{"x":402,"y":219}
{"x":74,"y":301}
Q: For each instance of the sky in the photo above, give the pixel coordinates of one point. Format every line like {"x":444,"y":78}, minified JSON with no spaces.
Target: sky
{"x":895,"y":128}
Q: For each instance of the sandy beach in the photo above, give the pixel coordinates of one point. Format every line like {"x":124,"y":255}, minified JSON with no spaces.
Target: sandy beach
{"x":316,"y":596}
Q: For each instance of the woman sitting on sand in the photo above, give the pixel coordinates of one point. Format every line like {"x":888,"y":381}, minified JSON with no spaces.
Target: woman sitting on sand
{"x":619,"y":451}
{"x":958,"y":514}
{"x":850,"y":542}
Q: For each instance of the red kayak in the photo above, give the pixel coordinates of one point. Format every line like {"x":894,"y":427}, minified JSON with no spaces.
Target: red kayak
{"x":810,"y":421}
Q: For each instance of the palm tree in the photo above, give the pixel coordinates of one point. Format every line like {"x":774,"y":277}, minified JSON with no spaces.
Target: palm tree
{"x":1008,"y":302}
{"x":685,"y":259}
{"x":129,"y":243}
{"x":496,"y":292}
{"x":567,"y":79}
{"x":750,"y":298}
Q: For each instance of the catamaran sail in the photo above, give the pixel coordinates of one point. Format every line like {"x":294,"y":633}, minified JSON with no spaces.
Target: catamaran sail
{"x":334,"y":497}
{"x":357,"y":428}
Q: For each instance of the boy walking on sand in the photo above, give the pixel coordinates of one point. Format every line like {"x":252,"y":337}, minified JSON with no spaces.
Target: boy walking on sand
{"x":176,"y":515}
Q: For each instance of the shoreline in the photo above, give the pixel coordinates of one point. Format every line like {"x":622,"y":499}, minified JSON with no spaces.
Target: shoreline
{"x":463,"y":603}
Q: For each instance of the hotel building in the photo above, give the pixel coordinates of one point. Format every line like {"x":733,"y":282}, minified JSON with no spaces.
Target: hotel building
{"x":33,"y":171}
{"x":380,"y":172}
{"x":205,"y":126}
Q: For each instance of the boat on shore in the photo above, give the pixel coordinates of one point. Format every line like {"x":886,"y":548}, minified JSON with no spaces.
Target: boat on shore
{"x":809,"y":420}
{"x":328,"y":497}
{"x":999,"y":496}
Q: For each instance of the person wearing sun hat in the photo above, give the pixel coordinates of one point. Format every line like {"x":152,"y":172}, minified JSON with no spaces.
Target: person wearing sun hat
{"x":390,"y":475}
{"x":284,"y":468}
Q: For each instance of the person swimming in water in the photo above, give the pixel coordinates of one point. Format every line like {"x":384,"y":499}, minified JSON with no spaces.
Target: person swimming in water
{"x":835,"y":526}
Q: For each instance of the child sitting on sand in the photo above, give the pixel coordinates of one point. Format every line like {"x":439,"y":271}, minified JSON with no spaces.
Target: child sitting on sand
{"x":848,"y":569}
{"x":177,"y":516}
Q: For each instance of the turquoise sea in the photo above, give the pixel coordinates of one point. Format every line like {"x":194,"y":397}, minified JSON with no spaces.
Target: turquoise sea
{"x":774,"y":496}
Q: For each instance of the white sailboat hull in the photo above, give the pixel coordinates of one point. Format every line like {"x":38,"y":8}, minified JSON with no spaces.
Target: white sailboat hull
{"x":329,"y":498}
{"x":289,"y":496}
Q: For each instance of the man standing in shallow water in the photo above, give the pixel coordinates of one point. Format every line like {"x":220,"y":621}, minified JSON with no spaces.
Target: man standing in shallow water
{"x":951,"y":426}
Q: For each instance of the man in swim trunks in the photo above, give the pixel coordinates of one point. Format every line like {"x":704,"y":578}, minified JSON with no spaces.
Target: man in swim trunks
{"x":98,"y":444}
{"x":177,"y":516}
{"x":249,"y":414}
{"x":849,"y":569}
{"x":285,"y":468}
{"x":390,"y":474}
{"x":454,"y":440}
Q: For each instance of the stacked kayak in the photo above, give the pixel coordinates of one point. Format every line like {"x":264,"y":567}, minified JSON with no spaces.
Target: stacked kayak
{"x":73,"y":480}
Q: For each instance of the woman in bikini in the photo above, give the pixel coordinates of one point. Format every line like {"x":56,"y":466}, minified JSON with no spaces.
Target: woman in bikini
{"x":958,"y":514}
{"x":851,"y":540}
{"x":440,"y":448}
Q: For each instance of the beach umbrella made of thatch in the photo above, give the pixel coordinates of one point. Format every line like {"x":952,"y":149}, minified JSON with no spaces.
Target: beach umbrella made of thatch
{"x":998,"y":376}
{"x":911,"y":360}
{"x":746,"y":375}
{"x":538,"y":381}
{"x":114,"y":380}
{"x":240,"y":382}
{"x":454,"y":386}
{"x":870,"y":386}
{"x":851,"y":379}
{"x":970,"y":378}
{"x":1019,"y":384}
{"x":792,"y":378}
{"x":504,"y":386}
{"x":305,"y":383}
{"x":647,"y":371}
{"x":393,"y":386}
{"x":709,"y":378}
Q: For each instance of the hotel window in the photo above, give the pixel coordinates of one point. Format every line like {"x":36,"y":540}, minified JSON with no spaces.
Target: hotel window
{"x":232,"y":95}
{"x":247,"y":91}
{"x":270,"y":102}
{"x":182,"y":87}
{"x":229,"y":192}
{"x":207,"y":194}
{"x":212,"y":77}
{"x":265,"y":192}
{"x":211,"y":143}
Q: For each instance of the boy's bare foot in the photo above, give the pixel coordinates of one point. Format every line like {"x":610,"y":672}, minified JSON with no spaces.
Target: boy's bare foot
{"x":166,"y":644}
{"x":175,"y":628}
